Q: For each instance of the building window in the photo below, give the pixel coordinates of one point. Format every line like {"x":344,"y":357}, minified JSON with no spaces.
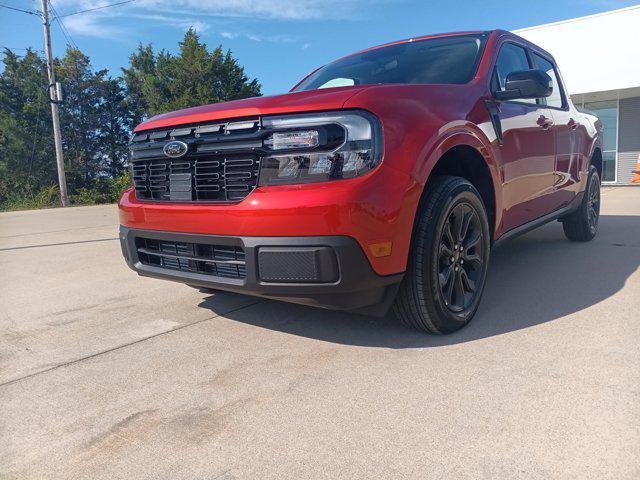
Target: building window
{"x":608,"y":114}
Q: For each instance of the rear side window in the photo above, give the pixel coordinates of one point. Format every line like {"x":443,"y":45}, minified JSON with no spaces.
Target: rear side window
{"x":555,"y":99}
{"x":510,"y":59}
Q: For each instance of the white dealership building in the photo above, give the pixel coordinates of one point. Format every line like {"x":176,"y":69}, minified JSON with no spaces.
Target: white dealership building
{"x":599,"y":59}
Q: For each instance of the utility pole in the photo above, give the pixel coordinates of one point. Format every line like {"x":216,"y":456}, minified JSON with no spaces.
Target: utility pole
{"x":53,"y":99}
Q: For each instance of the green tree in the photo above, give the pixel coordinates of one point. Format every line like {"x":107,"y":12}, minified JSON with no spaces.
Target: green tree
{"x":196,"y":76}
{"x":80,"y":117}
{"x":142,"y":65}
{"x":115,"y":122}
{"x":26,"y":144}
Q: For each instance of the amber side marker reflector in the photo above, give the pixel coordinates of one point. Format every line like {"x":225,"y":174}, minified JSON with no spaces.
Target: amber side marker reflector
{"x":380,"y":249}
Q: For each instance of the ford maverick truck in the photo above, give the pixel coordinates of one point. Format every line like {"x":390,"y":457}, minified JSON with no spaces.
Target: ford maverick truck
{"x":381,"y":180}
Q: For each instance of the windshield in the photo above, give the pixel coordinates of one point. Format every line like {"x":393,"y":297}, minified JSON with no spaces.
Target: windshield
{"x":452,"y":60}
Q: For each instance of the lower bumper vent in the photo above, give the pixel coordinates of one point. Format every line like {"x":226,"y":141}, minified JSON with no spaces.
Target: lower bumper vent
{"x":216,"y":260}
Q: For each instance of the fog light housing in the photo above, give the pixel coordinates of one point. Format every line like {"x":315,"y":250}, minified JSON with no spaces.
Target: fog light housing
{"x":297,"y":265}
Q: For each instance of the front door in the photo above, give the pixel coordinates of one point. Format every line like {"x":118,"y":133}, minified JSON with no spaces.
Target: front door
{"x":528,"y":154}
{"x":566,"y":128}
{"x":528,"y":146}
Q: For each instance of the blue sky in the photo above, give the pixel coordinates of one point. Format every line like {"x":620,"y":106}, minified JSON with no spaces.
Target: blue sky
{"x":277,"y":41}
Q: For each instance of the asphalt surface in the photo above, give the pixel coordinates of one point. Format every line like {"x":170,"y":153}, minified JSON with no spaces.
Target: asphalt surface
{"x":104,"y":374}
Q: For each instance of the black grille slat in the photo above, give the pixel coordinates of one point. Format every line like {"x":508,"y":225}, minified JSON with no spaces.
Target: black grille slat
{"x":221,"y":164}
{"x":205,"y":179}
{"x":239,"y":176}
{"x":217,"y":260}
{"x":196,"y":179}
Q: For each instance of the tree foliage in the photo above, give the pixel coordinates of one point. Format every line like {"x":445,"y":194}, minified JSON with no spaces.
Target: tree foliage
{"x":98,"y":113}
{"x":26,"y":140}
{"x":162,"y":82}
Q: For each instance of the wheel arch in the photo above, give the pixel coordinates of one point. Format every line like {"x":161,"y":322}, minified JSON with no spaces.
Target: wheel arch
{"x":468,"y":155}
{"x":596,"y":160}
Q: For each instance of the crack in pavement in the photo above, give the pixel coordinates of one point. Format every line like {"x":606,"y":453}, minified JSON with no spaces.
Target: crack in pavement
{"x":119,"y":347}
{"x":57,"y":231}
{"x":58,"y":244}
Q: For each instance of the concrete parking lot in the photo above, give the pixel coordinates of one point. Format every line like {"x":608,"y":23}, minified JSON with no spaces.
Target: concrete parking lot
{"x":104,"y":374}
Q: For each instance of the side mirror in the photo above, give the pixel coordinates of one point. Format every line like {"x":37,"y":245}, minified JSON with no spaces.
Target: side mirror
{"x":526,"y":84}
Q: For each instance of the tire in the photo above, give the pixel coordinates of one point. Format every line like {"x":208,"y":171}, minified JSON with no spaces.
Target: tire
{"x":582,"y":225}
{"x":434,"y":295}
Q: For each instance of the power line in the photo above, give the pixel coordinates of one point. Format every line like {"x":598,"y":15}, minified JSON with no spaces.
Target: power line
{"x":30,"y":12}
{"x":97,"y":8}
{"x":63,"y":28}
{"x":20,"y":48}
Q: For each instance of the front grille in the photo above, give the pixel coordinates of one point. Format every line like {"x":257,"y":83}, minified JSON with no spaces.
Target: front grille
{"x":222,"y":162}
{"x":216,"y":260}
{"x":203,"y":179}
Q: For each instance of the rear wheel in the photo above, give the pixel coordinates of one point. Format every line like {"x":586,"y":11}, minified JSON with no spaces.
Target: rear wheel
{"x":582,"y":225}
{"x":447,"y":265}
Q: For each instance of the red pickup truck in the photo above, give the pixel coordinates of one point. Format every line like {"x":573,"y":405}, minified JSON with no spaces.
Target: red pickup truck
{"x":382,"y":179}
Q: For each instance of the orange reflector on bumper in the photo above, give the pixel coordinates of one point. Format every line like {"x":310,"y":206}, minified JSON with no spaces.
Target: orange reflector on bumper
{"x":380,"y":249}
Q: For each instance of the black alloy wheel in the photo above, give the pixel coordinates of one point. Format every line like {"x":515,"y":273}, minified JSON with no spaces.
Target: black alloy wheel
{"x":461,"y":261}
{"x":582,"y":224}
{"x":593,"y":204}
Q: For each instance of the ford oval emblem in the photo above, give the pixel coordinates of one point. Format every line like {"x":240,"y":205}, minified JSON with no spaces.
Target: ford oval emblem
{"x":175,"y":149}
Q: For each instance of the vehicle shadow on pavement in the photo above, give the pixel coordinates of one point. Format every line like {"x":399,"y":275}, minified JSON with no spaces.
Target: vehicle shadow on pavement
{"x":533,"y":279}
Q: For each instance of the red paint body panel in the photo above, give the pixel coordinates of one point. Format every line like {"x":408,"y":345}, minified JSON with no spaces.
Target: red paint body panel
{"x":533,"y":172}
{"x":353,"y":208}
{"x":327,"y":99}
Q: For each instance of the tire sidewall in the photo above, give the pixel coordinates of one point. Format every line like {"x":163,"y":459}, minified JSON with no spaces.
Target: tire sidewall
{"x":445,"y":320}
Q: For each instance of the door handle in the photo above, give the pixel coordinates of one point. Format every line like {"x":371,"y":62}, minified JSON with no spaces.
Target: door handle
{"x":544,"y":122}
{"x":573,"y":124}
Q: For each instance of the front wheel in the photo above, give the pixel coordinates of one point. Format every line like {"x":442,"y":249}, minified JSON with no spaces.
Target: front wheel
{"x":447,"y":264}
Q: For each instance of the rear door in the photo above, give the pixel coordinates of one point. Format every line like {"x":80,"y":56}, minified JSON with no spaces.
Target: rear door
{"x":565,"y":127}
{"x":528,"y":145}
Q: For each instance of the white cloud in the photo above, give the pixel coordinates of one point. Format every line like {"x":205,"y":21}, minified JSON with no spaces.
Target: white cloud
{"x":259,"y":9}
{"x":197,"y":25}
{"x":259,"y":38}
{"x":90,"y":26}
{"x":200,"y":14}
{"x":181,"y":24}
{"x":254,"y":9}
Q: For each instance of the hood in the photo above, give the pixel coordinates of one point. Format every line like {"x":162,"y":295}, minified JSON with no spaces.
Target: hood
{"x":312,"y":100}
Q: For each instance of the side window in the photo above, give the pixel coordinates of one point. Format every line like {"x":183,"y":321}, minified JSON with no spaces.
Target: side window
{"x":510,"y":59}
{"x":555,"y":99}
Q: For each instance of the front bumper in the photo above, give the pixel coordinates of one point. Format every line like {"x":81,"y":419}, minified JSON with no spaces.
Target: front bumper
{"x":376,"y":208}
{"x":323,"y":271}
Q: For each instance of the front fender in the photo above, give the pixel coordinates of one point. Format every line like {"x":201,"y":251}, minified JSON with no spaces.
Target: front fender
{"x":456,"y":134}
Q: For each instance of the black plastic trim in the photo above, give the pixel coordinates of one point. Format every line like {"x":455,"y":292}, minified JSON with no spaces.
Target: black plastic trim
{"x":495,"y":120}
{"x":357,"y":288}
{"x":538,"y":222}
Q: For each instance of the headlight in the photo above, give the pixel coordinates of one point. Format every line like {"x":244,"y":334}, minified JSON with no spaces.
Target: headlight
{"x":291,"y":140}
{"x":320,"y":147}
